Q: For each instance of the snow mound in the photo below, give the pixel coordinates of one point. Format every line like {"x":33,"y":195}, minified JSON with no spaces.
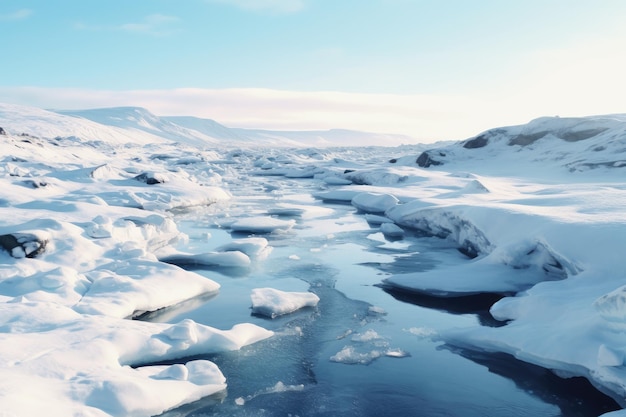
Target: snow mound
{"x":273,"y":303}
{"x":374,"y":202}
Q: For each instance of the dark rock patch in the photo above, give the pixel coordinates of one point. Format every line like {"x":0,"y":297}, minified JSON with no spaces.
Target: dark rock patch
{"x":150,"y":178}
{"x":34,"y":183}
{"x":425,"y":160}
{"x":22,"y":245}
{"x":2,"y":132}
{"x":525,"y":140}
{"x":581,"y":135}
{"x":478,"y":142}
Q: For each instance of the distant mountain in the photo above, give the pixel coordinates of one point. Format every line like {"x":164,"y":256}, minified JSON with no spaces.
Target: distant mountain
{"x":198,"y":131}
{"x":139,"y":119}
{"x":317,"y":138}
{"x":576,"y":143}
{"x":32,"y":121}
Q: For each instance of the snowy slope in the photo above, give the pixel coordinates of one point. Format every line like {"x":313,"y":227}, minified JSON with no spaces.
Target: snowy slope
{"x":575,"y":143}
{"x":36,"y":122}
{"x":206,"y":132}
{"x":137,"y":119}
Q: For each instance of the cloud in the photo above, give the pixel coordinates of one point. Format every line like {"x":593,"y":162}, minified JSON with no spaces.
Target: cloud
{"x":20,"y":14}
{"x":154,"y":25}
{"x":272,"y":6}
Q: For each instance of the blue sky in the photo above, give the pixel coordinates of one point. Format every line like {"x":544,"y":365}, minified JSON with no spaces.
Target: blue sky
{"x":433,"y":69}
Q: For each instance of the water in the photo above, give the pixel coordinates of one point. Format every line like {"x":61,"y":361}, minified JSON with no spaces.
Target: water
{"x":405,"y":371}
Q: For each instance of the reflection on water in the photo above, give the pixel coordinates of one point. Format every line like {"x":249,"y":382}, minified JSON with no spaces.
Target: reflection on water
{"x":477,"y":304}
{"x":574,"y":396}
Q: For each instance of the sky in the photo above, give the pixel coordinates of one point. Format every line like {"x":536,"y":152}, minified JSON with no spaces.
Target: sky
{"x":431,"y":69}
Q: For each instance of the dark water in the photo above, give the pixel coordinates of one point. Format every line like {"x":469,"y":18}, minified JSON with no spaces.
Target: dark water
{"x":300,"y":371}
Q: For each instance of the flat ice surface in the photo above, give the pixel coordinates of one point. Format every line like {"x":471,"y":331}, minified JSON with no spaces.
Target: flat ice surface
{"x":96,"y":225}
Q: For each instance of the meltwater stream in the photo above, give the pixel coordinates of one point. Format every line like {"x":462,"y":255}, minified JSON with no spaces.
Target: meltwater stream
{"x":364,"y":351}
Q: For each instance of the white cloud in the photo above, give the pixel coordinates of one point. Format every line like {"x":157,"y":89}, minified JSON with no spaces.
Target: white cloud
{"x":274,"y":6}
{"x":20,"y":14}
{"x":154,"y":25}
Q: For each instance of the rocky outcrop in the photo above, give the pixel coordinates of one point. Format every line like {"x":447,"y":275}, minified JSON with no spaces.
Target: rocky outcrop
{"x":426,"y":160}
{"x":23,"y":245}
{"x":151,"y":178}
{"x":444,"y":224}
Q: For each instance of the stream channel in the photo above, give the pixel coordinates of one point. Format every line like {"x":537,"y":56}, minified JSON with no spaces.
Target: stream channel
{"x":364,"y":350}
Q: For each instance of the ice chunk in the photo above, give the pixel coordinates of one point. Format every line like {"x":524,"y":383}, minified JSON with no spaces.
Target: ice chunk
{"x":254,"y":247}
{"x":262,"y":225}
{"x":349,"y":355}
{"x":391,"y":230}
{"x":376,"y":219}
{"x":272,"y":303}
{"x":397,"y":353}
{"x":374,"y":202}
{"x":368,"y":336}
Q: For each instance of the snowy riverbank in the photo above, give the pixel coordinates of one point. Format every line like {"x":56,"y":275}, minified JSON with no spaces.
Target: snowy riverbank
{"x":88,"y":226}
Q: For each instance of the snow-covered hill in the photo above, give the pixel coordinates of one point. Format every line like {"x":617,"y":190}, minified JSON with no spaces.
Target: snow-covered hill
{"x":138,"y":125}
{"x":574,"y":143}
{"x":35,"y":122}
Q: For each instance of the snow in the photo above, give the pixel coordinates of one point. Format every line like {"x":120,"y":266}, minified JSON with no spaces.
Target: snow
{"x":374,"y":202}
{"x":262,"y":225}
{"x":89,"y":235}
{"x":272,"y":303}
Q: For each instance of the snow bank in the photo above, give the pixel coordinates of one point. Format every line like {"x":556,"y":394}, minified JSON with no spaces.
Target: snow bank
{"x":79,"y":234}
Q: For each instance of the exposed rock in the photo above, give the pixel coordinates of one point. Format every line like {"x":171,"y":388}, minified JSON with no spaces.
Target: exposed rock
{"x":478,"y":142}
{"x":2,"y":132}
{"x":151,"y":178}
{"x":22,"y":245}
{"x":527,"y":139}
{"x":541,"y":255}
{"x":444,"y":224}
{"x":425,"y":160}
{"x":35,"y":183}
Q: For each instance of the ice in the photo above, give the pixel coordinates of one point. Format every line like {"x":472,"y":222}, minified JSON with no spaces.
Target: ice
{"x":262,"y":225}
{"x":273,"y":303}
{"x":391,"y":230}
{"x":254,"y":247}
{"x":374,"y":202}
{"x":350,"y":356}
{"x":89,"y":212}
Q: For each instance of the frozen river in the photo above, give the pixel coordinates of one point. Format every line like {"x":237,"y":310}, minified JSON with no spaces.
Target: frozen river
{"x":364,"y":350}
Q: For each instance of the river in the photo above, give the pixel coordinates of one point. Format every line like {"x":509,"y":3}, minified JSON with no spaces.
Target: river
{"x":365,"y":350}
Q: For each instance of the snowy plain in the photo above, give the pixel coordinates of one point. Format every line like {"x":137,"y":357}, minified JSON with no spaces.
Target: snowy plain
{"x":95,"y":231}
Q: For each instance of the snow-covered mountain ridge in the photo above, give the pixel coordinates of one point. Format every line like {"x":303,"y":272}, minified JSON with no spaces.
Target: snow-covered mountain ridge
{"x":136,"y":124}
